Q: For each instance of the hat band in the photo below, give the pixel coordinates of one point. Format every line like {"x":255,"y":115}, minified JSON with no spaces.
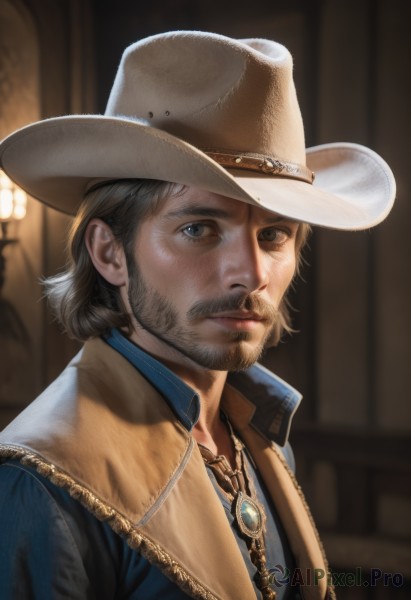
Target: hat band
{"x":262,"y":164}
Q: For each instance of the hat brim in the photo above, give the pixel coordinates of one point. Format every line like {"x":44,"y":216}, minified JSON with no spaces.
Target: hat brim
{"x":56,"y":160}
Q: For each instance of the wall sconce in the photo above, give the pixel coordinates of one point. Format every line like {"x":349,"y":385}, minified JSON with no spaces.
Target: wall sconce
{"x":13,"y":203}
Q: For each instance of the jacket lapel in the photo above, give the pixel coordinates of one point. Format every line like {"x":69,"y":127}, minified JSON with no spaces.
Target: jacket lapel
{"x":285,"y":493}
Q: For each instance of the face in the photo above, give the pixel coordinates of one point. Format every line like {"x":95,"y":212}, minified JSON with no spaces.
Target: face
{"x":207,"y":277}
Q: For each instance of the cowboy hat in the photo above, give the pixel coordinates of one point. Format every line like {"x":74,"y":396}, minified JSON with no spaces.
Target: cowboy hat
{"x":209,"y":111}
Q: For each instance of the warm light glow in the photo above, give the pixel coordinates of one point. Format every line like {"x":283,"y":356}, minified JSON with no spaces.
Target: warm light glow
{"x":13,"y":200}
{"x":5,"y":182}
{"x":20,"y":202}
{"x":6,"y":204}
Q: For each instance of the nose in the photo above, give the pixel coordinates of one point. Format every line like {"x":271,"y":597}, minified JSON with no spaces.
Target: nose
{"x":245,"y":265}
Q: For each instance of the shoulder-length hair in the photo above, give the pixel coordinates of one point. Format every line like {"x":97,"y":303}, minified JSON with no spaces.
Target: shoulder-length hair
{"x":84,"y":303}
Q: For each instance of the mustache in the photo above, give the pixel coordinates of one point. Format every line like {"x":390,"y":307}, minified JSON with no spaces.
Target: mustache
{"x":205,"y":308}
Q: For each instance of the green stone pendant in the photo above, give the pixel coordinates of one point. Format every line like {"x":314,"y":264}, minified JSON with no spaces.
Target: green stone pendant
{"x":248,"y":515}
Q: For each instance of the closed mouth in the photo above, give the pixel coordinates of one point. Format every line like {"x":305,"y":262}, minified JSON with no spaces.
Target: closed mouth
{"x":238,"y":316}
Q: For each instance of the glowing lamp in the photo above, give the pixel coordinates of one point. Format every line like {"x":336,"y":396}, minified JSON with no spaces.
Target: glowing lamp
{"x":13,"y":203}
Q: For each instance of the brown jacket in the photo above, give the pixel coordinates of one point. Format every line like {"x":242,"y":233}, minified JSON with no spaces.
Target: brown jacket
{"x":134,"y":464}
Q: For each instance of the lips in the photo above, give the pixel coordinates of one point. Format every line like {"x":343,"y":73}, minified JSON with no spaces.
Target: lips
{"x":238,"y":316}
{"x":237,"y":321}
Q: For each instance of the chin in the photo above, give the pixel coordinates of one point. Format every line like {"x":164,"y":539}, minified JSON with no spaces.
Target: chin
{"x":237,"y":358}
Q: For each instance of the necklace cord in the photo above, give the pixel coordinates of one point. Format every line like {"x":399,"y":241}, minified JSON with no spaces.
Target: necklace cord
{"x":249,"y":515}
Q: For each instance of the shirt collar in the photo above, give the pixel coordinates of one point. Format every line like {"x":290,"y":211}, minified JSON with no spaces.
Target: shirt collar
{"x":275,"y":400}
{"x":181,"y":398}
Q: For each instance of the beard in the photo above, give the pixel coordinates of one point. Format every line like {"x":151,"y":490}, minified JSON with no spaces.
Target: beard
{"x":157,"y":315}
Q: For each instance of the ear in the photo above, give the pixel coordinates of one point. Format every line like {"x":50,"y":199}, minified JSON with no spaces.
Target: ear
{"x":106,"y":253}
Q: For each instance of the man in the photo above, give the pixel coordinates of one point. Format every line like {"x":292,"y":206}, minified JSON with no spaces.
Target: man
{"x":157,"y":464}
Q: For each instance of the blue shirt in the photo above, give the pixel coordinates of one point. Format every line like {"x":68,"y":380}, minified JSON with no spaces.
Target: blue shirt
{"x":52,"y":548}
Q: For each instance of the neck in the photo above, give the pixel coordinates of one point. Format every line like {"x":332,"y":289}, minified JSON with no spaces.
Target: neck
{"x":210,"y":431}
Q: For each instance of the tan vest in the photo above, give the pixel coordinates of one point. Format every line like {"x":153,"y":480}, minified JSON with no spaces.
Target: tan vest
{"x":102,"y":432}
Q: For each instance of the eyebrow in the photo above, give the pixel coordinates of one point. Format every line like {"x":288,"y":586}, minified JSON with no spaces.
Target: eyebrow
{"x":197,"y":211}
{"x":205,"y":211}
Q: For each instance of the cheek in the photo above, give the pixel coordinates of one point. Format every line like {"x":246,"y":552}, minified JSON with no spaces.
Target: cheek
{"x":290,"y":269}
{"x":172,"y":272}
{"x":282,"y":273}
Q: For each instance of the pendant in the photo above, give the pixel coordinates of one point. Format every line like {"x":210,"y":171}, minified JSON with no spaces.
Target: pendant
{"x":248,"y":515}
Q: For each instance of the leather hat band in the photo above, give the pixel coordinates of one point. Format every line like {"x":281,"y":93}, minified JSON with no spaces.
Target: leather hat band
{"x":262,"y":164}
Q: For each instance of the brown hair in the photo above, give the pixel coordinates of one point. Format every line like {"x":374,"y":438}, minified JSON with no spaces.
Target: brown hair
{"x":84,"y":303}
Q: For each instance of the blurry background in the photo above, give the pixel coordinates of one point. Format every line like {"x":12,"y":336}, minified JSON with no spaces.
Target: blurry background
{"x":351,"y":357}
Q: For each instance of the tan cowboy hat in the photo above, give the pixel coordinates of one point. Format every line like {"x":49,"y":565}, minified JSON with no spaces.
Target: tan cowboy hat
{"x":208,"y":111}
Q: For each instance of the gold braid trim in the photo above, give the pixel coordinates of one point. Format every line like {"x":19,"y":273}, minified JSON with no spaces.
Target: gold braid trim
{"x":330,"y":591}
{"x":118,"y":523}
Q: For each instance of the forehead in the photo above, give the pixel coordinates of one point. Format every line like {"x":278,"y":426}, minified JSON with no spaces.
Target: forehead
{"x":197,"y":202}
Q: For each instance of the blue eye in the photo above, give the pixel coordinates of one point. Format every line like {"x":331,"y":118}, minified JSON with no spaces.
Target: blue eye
{"x":195,"y":230}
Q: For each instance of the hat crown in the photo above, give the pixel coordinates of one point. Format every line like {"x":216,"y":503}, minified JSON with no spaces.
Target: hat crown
{"x":200,"y":109}
{"x":213,"y":92}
